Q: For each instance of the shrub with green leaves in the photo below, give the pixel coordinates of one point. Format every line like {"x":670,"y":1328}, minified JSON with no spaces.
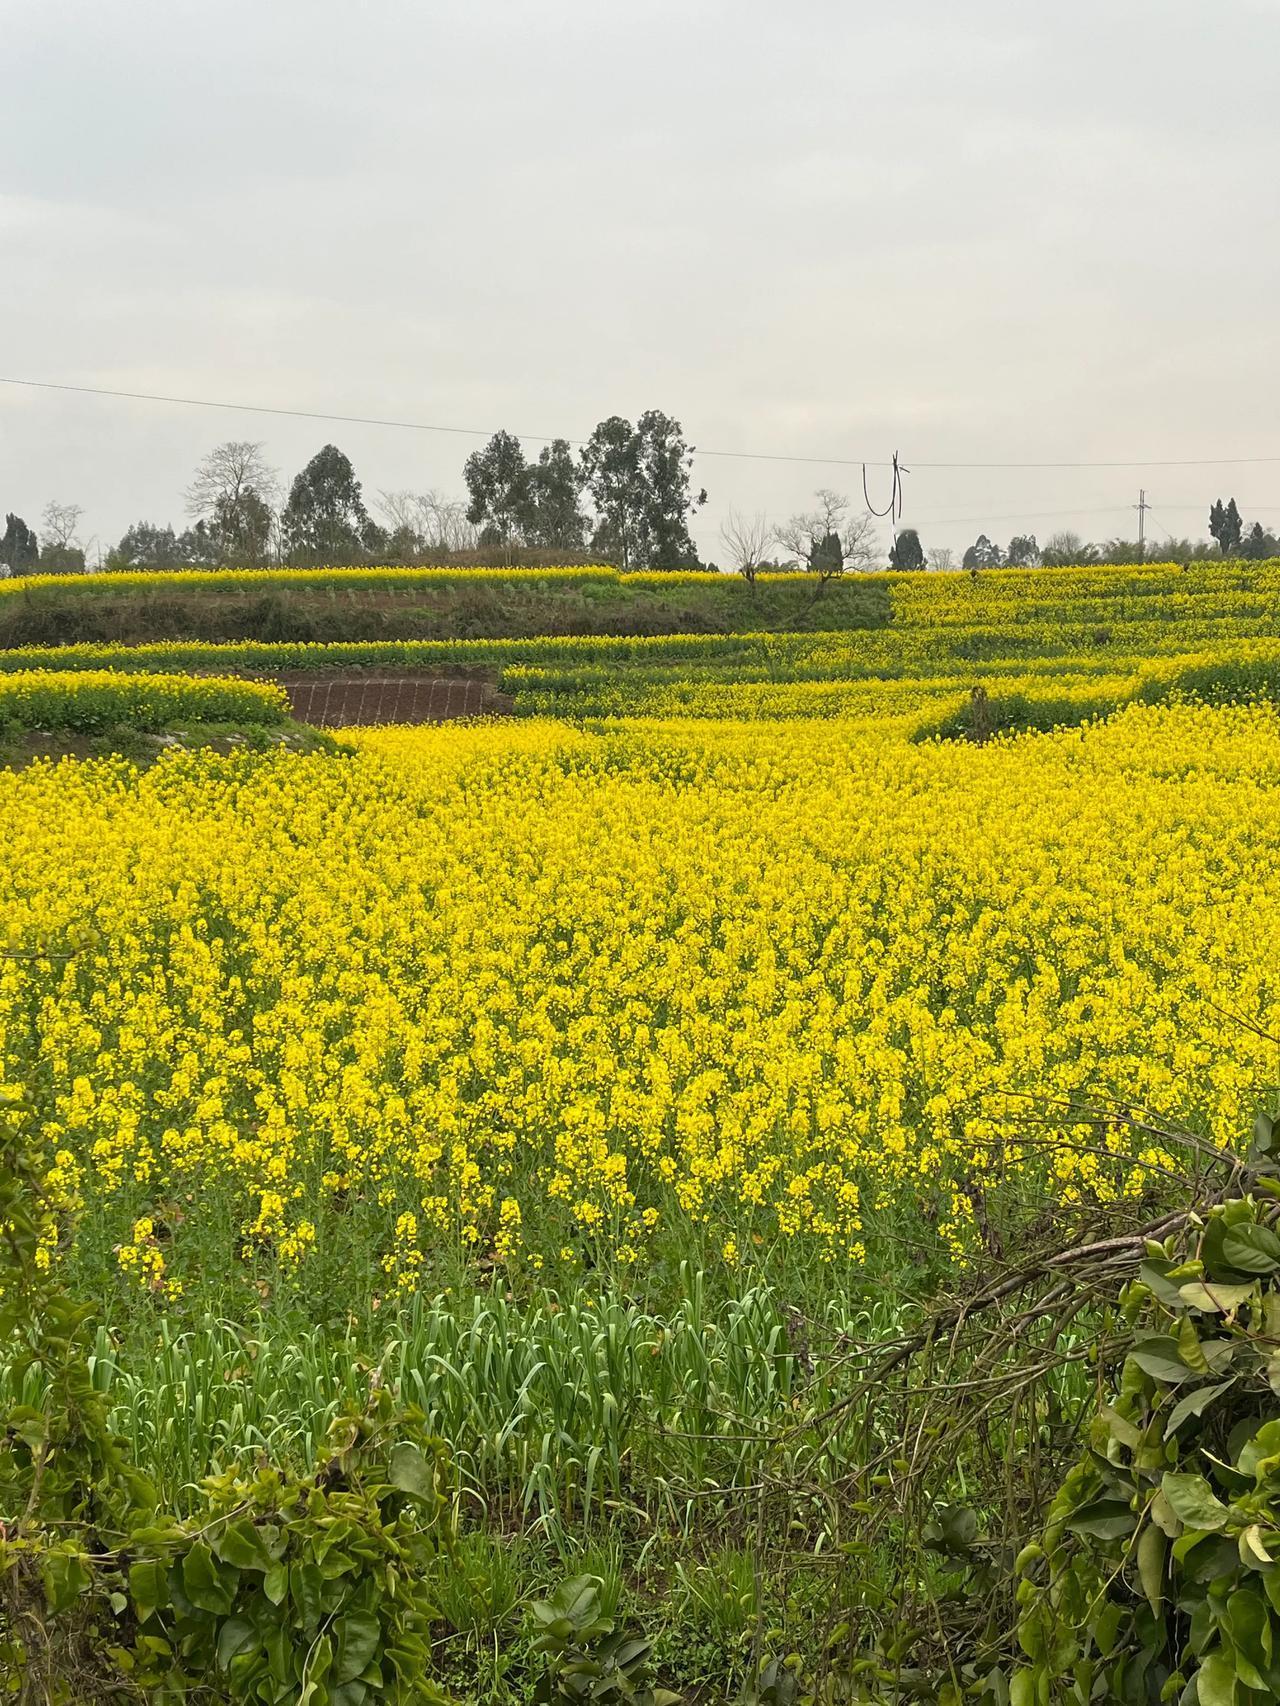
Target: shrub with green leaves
{"x":1158,"y":1574}
{"x":589,"y":1660}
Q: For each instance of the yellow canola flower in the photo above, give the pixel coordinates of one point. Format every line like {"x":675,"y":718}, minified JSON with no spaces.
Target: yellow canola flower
{"x":516,"y":990}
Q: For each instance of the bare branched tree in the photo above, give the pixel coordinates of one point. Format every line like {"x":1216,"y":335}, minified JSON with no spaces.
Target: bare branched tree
{"x":226,"y":474}
{"x":233,"y":493}
{"x":746,"y":539}
{"x":426,"y":524}
{"x":941,"y":557}
{"x":827,"y":541}
{"x":59,"y":522}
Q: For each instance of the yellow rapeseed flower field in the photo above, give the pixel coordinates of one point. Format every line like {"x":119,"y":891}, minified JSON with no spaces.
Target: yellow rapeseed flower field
{"x":531,"y":994}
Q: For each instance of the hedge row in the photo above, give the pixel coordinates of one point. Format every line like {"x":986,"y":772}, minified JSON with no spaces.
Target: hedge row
{"x":90,"y":700}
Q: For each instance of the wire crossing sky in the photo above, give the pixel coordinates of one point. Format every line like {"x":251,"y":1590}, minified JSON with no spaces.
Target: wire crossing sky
{"x":1023,"y":246}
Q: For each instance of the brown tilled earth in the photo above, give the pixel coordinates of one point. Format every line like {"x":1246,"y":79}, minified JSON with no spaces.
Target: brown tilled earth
{"x":348,"y":701}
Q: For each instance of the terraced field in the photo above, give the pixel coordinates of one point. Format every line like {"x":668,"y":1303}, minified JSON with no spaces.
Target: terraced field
{"x":623,"y":1079}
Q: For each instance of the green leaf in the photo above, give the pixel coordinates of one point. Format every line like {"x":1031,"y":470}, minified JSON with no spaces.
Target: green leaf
{"x":241,"y":1544}
{"x":237,"y":1635}
{"x":1216,"y":1681}
{"x":1193,"y":1501}
{"x":1121,"y":1428}
{"x":1215,"y":1298}
{"x":149,"y":1587}
{"x":410,"y":1471}
{"x":1249,"y":1620}
{"x":1251,"y":1249}
{"x":1253,"y":1550}
{"x":1194,"y":1404}
{"x":1022,"y":1689}
{"x":954,"y":1530}
{"x":65,"y":1579}
{"x":1260,"y":1453}
{"x":1105,"y":1519}
{"x":275,"y":1584}
{"x":1159,"y":1357}
{"x":1163,"y":1517}
{"x":208,"y":1586}
{"x":1155,"y":1276}
{"x":1151,"y":1555}
{"x":357,"y":1635}
{"x":306,"y":1585}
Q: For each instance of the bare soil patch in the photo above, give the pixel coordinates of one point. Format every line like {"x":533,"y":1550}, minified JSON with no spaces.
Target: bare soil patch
{"x":354,"y":700}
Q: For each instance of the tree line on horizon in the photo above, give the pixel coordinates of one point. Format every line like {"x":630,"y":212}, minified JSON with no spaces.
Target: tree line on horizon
{"x":626,"y":497}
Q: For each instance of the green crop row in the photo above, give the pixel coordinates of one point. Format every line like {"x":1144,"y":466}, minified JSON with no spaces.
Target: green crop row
{"x":957,"y":589}
{"x":222,"y":580}
{"x":1223,"y":676}
{"x":99,"y":699}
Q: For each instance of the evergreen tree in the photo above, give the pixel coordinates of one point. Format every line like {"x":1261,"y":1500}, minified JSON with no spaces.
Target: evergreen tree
{"x":907,"y":552}
{"x":611,"y":476}
{"x":1258,"y":543}
{"x":1226,"y":526}
{"x":638,"y":481}
{"x":1023,"y":552}
{"x":19,"y":547}
{"x":325,"y":520}
{"x":497,"y":478}
{"x":982,"y":554}
{"x":553,"y":517}
{"x":666,"y":464}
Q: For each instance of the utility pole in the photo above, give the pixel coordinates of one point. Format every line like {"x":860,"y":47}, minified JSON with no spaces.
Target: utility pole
{"x":1142,"y":506}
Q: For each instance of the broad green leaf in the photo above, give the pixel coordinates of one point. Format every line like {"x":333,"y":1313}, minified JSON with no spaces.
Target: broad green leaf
{"x":959,"y":1527}
{"x":1120,"y":1427}
{"x":149,"y":1586}
{"x":306,"y":1586}
{"x":1251,"y":1249}
{"x":1104,"y":1519}
{"x":65,"y":1579}
{"x":1216,"y":1681}
{"x":1162,"y":1515}
{"x":1159,"y":1357}
{"x":241,"y":1544}
{"x":1194,"y":1404}
{"x":1214,"y":1298}
{"x":1193,"y":1501}
{"x":1259,"y":1454}
{"x":237,"y":1635}
{"x":410,"y":1471}
{"x":1249,"y":1620}
{"x":208,"y":1585}
{"x":1155,"y":1276}
{"x":356,"y":1636}
{"x":1264,"y":1132}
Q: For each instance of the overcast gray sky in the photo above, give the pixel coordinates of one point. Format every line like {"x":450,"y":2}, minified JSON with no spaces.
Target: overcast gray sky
{"x":974,"y":230}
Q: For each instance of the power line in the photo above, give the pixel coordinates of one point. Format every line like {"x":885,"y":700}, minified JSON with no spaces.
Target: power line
{"x":547,"y":438}
{"x":1024,"y":515}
